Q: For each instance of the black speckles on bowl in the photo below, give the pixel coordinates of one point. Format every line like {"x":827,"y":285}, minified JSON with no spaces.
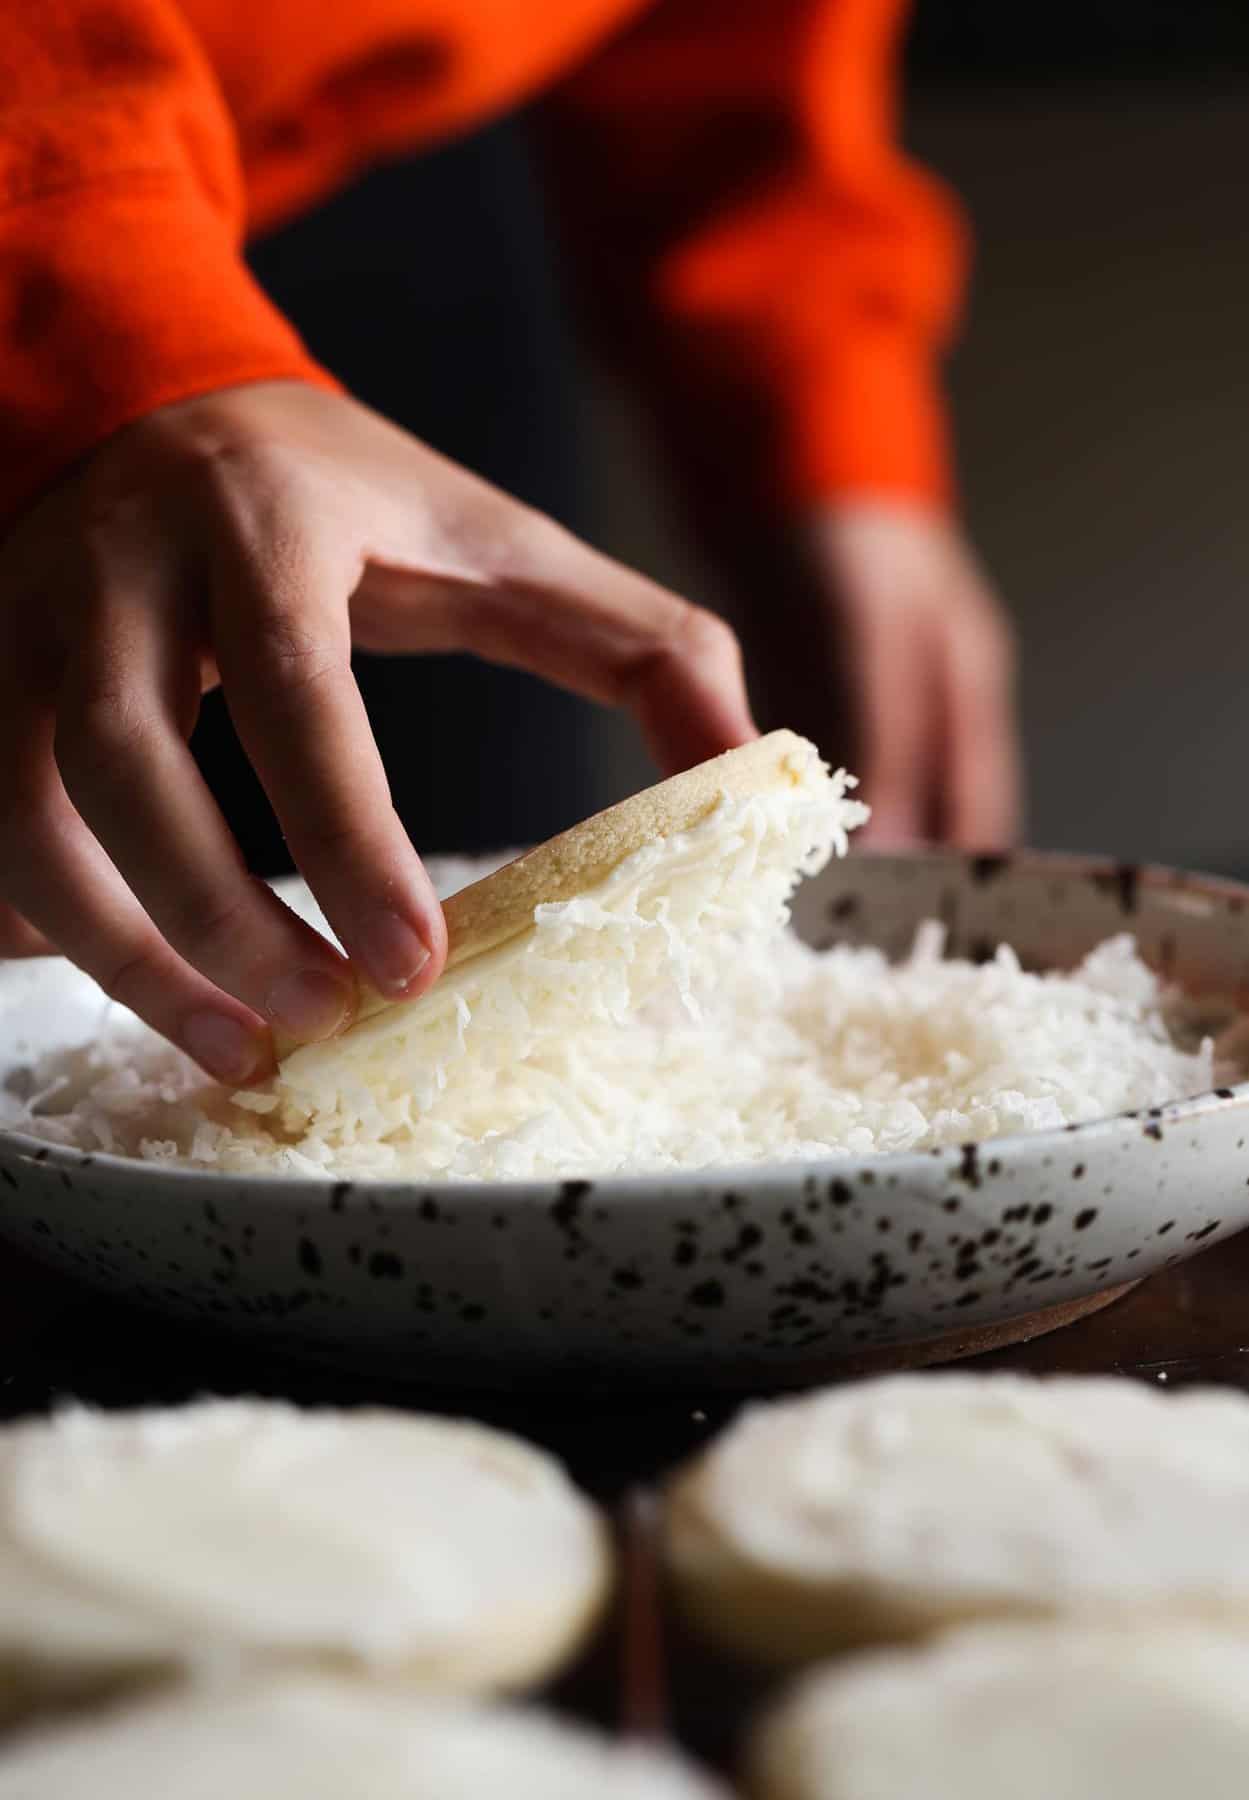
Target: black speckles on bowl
{"x":743,"y":1277}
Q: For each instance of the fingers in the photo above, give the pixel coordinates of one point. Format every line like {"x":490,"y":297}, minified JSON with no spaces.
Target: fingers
{"x":270,"y":505}
{"x":130,"y":776}
{"x":983,"y":777}
{"x":543,"y":601}
{"x":689,"y":694}
{"x":283,"y":647}
{"x":931,"y":659}
{"x":590,"y":623}
{"x":62,"y":884}
{"x":892,"y":666}
{"x":18,"y":937}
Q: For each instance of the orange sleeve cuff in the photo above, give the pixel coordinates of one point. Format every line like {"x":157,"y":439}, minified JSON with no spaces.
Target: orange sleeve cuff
{"x":872,"y":422}
{"x":760,"y":426}
{"x":117,"y":297}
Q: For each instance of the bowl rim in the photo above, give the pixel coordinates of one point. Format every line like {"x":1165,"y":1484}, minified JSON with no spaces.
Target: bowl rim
{"x":23,"y":1147}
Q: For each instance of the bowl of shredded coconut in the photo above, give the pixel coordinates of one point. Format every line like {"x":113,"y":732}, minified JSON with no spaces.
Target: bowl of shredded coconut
{"x":744,"y":1106}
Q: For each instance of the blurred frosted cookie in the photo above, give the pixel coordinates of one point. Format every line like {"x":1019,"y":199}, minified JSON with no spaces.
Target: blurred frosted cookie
{"x":1036,"y":1712}
{"x":229,"y":1533}
{"x":893,"y":1508}
{"x":315,"y":1738}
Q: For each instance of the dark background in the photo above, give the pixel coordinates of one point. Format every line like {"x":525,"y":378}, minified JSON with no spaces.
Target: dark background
{"x":1077,"y":38}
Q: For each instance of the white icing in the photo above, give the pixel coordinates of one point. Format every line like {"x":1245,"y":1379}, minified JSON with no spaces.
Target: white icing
{"x":226,"y":1530}
{"x":965,"y":1490}
{"x":1040,"y":1713}
{"x":323,"y":1740}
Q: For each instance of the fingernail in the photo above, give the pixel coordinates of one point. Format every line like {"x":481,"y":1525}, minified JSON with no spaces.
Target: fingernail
{"x":222,"y":1045}
{"x":310,"y":1005}
{"x":392,"y":952}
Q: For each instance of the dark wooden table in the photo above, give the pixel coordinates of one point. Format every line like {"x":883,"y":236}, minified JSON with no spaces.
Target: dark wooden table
{"x":1188,"y":1325}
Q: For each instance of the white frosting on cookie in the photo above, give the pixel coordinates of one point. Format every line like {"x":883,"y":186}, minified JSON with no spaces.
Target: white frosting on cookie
{"x":932,"y":1498}
{"x":1034,"y":1712}
{"x":229,"y":1531}
{"x":318,"y":1739}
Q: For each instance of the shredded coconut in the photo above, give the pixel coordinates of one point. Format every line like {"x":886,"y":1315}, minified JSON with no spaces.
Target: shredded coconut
{"x":666,"y":1020}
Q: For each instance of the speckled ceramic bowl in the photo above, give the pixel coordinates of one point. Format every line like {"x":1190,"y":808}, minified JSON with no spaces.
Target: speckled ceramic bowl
{"x":762,"y":1275}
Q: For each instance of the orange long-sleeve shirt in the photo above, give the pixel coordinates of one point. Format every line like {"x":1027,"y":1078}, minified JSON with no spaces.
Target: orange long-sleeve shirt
{"x":748,"y":234}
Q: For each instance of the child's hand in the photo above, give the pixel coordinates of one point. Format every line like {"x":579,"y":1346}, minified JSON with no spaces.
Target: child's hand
{"x":250,"y":537}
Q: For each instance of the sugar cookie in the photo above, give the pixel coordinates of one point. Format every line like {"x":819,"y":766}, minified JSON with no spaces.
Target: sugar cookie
{"x":893,"y":1508}
{"x":232,"y":1533}
{"x":314,"y":1738}
{"x":1036,"y":1712}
